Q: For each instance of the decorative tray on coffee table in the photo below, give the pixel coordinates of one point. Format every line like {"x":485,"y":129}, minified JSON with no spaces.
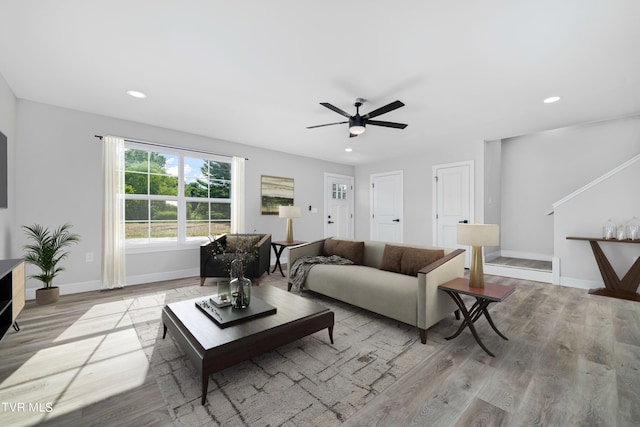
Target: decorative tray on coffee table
{"x":229,"y":316}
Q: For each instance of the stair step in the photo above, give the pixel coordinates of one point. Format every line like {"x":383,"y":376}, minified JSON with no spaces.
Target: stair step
{"x":521,"y":263}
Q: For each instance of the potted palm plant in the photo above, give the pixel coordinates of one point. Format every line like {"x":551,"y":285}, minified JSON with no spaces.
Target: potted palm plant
{"x":46,"y":252}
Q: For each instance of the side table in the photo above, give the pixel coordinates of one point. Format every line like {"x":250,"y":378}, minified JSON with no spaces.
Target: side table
{"x":491,"y":292}
{"x":278,"y":248}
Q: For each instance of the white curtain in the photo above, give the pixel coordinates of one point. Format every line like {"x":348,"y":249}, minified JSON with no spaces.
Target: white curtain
{"x":113,"y":236}
{"x":237,"y":195}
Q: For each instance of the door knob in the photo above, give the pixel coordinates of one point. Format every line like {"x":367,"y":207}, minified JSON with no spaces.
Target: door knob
{"x":396,"y":220}
{"x":463,"y":222}
{"x":329,"y":222}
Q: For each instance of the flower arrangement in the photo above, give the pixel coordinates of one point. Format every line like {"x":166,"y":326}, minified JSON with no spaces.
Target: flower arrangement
{"x":235,"y":247}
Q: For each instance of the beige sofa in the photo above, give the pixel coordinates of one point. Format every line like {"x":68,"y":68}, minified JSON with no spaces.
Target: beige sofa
{"x":411,"y":299}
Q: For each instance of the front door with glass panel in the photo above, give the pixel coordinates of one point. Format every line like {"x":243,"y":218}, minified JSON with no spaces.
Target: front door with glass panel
{"x":339,"y":206}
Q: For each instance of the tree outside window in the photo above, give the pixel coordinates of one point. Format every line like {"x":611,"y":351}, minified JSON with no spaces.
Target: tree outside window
{"x":158,"y":209}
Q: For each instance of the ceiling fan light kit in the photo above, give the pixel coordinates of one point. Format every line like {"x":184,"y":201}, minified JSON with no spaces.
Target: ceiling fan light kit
{"x":358,"y":123}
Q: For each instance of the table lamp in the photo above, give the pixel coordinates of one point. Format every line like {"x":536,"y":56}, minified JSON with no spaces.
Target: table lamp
{"x":477,"y":236}
{"x":289,"y":212}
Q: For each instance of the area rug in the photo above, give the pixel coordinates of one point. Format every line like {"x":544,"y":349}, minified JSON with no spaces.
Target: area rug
{"x":309,"y":382}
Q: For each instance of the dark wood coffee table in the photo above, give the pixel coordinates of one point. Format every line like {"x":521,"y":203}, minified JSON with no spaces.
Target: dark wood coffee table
{"x":212,"y":349}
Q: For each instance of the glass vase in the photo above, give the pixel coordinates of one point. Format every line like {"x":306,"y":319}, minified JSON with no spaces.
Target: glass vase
{"x":240,"y":286}
{"x":609,"y":230}
{"x":240,"y":292}
{"x":633,"y":229}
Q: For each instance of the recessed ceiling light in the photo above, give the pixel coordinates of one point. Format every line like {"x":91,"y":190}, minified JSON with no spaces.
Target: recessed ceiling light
{"x":136,"y":94}
{"x":348,"y":150}
{"x":551,"y":99}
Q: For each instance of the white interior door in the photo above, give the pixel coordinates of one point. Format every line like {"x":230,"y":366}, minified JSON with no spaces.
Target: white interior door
{"x":339,"y":206}
{"x":386,"y":207}
{"x":453,"y":201}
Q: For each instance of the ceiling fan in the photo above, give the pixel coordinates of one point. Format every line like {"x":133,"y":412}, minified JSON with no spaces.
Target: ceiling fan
{"x":357,"y":122}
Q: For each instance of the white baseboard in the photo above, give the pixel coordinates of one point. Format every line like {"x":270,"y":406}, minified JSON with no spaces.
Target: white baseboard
{"x":96,"y":285}
{"x":580,"y":283}
{"x":167,"y":275}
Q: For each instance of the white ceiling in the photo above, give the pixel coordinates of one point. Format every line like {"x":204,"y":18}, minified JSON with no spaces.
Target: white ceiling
{"x":255,"y":71}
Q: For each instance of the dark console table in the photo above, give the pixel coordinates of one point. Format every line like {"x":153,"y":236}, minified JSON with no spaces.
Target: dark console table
{"x":614,"y":286}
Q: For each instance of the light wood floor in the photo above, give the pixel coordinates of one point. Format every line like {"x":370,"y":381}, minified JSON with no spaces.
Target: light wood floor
{"x":572,"y":359}
{"x":59,"y":358}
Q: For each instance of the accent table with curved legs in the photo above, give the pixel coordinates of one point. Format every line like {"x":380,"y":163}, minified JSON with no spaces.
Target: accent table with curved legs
{"x":491,"y":292}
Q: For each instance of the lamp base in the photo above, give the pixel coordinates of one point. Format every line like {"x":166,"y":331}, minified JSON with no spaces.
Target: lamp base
{"x":476,"y":274}
{"x":289,"y":235}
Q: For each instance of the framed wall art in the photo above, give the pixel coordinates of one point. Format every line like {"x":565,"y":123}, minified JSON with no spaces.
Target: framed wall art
{"x":275,"y":191}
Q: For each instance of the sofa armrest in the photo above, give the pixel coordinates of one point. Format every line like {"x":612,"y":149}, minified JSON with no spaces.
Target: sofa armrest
{"x":266,"y":240}
{"x":305,"y":249}
{"x":434,"y":304}
{"x":264,"y":255}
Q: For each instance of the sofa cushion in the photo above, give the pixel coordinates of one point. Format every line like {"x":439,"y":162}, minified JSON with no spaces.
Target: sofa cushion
{"x":353,"y":251}
{"x":241,"y":243}
{"x":407,"y":260}
{"x":413,"y":259}
{"x":391,"y":258}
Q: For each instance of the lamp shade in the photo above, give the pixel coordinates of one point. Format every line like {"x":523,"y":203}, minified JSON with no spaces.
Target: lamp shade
{"x":478,"y":234}
{"x":289,"y":211}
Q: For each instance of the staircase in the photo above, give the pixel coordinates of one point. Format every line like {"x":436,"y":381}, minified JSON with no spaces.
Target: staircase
{"x":518,"y":268}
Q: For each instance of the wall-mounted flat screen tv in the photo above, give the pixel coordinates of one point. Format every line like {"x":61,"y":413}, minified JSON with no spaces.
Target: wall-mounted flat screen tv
{"x":4,"y":185}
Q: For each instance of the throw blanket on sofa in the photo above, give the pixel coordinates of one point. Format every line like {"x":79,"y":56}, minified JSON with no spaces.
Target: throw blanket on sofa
{"x":300,"y":268}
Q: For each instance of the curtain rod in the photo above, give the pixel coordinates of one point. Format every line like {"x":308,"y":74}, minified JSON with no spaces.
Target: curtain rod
{"x":155,"y":144}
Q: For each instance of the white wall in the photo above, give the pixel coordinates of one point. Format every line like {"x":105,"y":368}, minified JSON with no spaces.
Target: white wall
{"x":540,"y":169}
{"x":418,"y":181}
{"x":493,"y":189}
{"x":58,"y":178}
{"x":7,"y":127}
{"x":584,"y":215}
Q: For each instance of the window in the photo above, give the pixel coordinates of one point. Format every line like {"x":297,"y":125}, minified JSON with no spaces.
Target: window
{"x":175,"y":197}
{"x":339,"y":192}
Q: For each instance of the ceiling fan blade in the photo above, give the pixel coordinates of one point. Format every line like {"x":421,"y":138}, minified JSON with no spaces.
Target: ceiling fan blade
{"x":387,"y":124}
{"x":336,"y":109}
{"x":389,"y":107}
{"x":328,"y":124}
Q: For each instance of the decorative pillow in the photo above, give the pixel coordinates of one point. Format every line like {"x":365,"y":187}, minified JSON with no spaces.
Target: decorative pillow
{"x":406,"y":260}
{"x":413,"y":259}
{"x":240,"y":243}
{"x":391,"y":258}
{"x":353,"y":251}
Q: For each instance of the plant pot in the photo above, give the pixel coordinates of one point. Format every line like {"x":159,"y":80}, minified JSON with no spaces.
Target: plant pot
{"x":47,"y":295}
